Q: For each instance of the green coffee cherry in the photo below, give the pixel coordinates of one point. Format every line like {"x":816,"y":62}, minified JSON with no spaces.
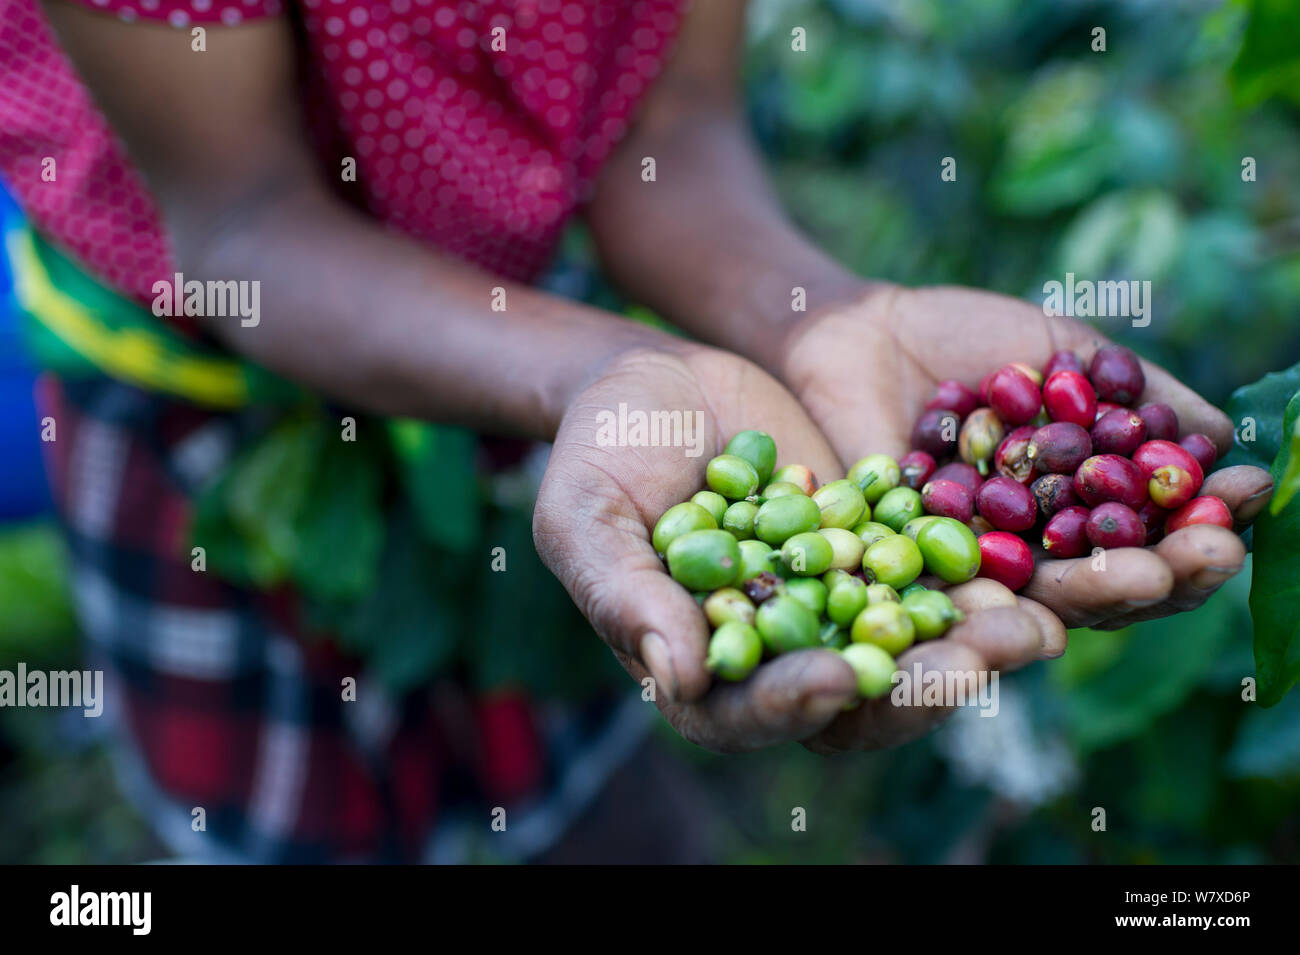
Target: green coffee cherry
{"x":734,"y":650}
{"x":897,"y":507}
{"x":887,"y":625}
{"x":834,"y":576}
{"x":949,"y":549}
{"x":807,"y":555}
{"x":712,"y":502}
{"x":678,"y":520}
{"x":800,"y":475}
{"x":913,"y":588}
{"x":755,"y":558}
{"x":873,"y":667}
{"x":780,"y":519}
{"x":875,"y":474}
{"x":895,"y":561}
{"x":871,"y":531}
{"x":846,"y":548}
{"x":732,"y":477}
{"x":845,"y":600}
{"x":739,"y":520}
{"x":729,"y":604}
{"x":756,"y":447}
{"x":913,"y":527}
{"x":833,"y":637}
{"x":808,"y":591}
{"x":932,"y":613}
{"x":841,"y":504}
{"x":781,"y":489}
{"x":882,"y":594}
{"x":785,"y":624}
{"x":704,"y":560}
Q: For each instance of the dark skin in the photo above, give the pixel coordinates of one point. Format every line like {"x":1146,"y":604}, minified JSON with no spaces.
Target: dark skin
{"x":374,"y":320}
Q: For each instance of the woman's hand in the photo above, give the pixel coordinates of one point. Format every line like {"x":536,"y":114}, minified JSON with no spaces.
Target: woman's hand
{"x":864,"y":371}
{"x":592,"y":524}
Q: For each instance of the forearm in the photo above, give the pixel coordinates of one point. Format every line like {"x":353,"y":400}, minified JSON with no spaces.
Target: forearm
{"x":707,"y":244}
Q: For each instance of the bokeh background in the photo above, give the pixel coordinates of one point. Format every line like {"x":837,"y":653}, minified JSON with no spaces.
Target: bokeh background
{"x":1125,"y":164}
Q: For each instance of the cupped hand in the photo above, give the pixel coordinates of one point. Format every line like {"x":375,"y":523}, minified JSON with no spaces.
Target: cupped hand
{"x":865,"y":370}
{"x":595,"y":509}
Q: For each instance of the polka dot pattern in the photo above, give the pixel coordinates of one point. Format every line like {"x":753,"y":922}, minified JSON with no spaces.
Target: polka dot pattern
{"x":477,"y":127}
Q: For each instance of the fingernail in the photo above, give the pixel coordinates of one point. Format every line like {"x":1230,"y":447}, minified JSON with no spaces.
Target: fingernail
{"x":658,"y":659}
{"x":1252,"y":505}
{"x":1211,"y":577}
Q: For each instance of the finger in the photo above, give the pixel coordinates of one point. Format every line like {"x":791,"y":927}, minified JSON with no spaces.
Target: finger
{"x":603,"y":556}
{"x":1085,"y":591}
{"x":790,"y":698}
{"x":1203,"y":557}
{"x":1004,"y":637}
{"x":1055,"y":636}
{"x":980,"y":594}
{"x":1243,"y":488}
{"x":1195,"y":414}
{"x":879,"y":723}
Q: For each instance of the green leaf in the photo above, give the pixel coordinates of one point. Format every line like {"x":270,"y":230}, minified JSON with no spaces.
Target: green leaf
{"x":1257,"y":410}
{"x":1268,"y":63}
{"x":1289,"y":482}
{"x":1275,"y":589}
{"x":436,"y":470}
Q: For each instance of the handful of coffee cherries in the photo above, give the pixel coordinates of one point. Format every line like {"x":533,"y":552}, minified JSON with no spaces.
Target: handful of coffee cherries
{"x":779,"y":563}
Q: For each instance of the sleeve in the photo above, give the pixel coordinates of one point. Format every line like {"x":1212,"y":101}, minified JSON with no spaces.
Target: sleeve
{"x":183,"y":13}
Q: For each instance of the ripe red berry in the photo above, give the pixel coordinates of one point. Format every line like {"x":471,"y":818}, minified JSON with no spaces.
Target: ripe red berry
{"x":1053,"y":493}
{"x":1010,"y":459}
{"x":1152,"y":455}
{"x":1007,"y":504}
{"x":935,"y":432}
{"x":1108,"y":477}
{"x":983,"y":390}
{"x":1162,"y":422}
{"x":1059,"y":448}
{"x":948,"y":499}
{"x":1119,"y":431}
{"x":1116,"y":374}
{"x":1006,"y":558}
{"x":915,"y":468}
{"x":1114,"y":525}
{"x":1066,"y":533}
{"x":961,"y":472}
{"x":1032,"y":373}
{"x":1014,"y":396}
{"x":1105,"y":406}
{"x":1153,"y":517}
{"x":1206,"y":509}
{"x":1062,"y":361}
{"x":1202,"y":448}
{"x":1068,"y":396}
{"x":953,"y":396}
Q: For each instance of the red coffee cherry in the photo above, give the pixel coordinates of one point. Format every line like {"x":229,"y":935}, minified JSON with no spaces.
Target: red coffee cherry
{"x":1068,"y":396}
{"x":961,"y":472}
{"x":1153,"y":518}
{"x":948,"y":499}
{"x":1105,"y":406}
{"x":1119,"y":431}
{"x":1053,"y":493}
{"x":955,"y":397}
{"x":1059,"y":448}
{"x":1006,"y":504}
{"x":1066,"y":533}
{"x":915,"y":468}
{"x":1014,"y":396}
{"x":1108,"y":477}
{"x":1202,"y":448}
{"x":935,"y":432}
{"x":1116,"y":374}
{"x":1006,"y":558}
{"x":1114,"y":525}
{"x":1162,"y":422}
{"x":1010,"y":459}
{"x":1206,"y":509}
{"x":1152,"y":455}
{"x":1062,"y":361}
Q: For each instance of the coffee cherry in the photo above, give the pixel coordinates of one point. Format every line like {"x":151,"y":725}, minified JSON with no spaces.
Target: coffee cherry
{"x":1068,"y":396}
{"x":875,"y":475}
{"x":785,"y":625}
{"x":1202,"y":449}
{"x":807,"y":555}
{"x":738,"y":519}
{"x":808,"y":591}
{"x":913,"y":527}
{"x":756,"y":447}
{"x":1206,"y":509}
{"x":894,"y":560}
{"x":731,"y":476}
{"x":1008,"y":505}
{"x":935,"y":432}
{"x":980,"y":526}
{"x":1106,"y":406}
{"x":961,"y":472}
{"x":982,"y":392}
{"x":1108,"y":477}
{"x":1011,"y":458}
{"x":1059,"y":448}
{"x":841,"y":503}
{"x":916,"y":467}
{"x":1062,"y":361}
{"x":1007,"y":559}
{"x":704,"y":560}
{"x":1161,"y":421}
{"x":1153,"y":455}
{"x":1114,"y":525}
{"x":1066,"y":533}
{"x":871,"y":531}
{"x":712,"y":502}
{"x":833,"y":636}
{"x":949,"y":550}
{"x":948,"y":499}
{"x":755,"y":559}
{"x":1053,"y":493}
{"x":781,"y":518}
{"x":845,"y":600}
{"x":1171,"y":486}
{"x":763,"y":587}
{"x":1153,"y":519}
{"x":735,"y":650}
{"x":898,"y":507}
{"x":1119,"y":431}
{"x":953,"y":396}
{"x":726,"y":604}
{"x":873,"y":667}
{"x":980,"y":437}
{"x":797,"y":474}
{"x":932,"y":613}
{"x":1029,"y":371}
{"x":1014,"y":395}
{"x":882,"y":594}
{"x":1116,"y":374}
{"x":846,"y":548}
{"x":885,"y":625}
{"x":678,"y":520}
{"x":780,"y":489}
